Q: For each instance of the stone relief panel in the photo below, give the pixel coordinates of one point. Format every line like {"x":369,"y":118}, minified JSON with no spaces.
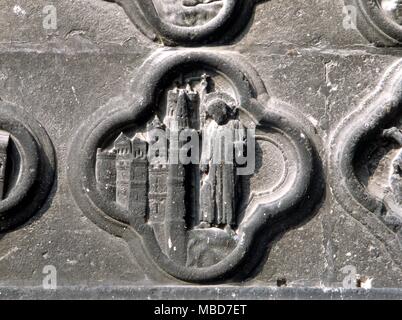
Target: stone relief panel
{"x":201,"y":162}
{"x":366,"y":162}
{"x":27,"y":166}
{"x":189,"y":22}
{"x":380,"y":21}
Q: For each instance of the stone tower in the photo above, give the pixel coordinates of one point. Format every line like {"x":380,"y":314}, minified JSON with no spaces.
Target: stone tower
{"x":158,"y":171}
{"x":175,"y":225}
{"x":139,"y":179}
{"x":105,"y":172}
{"x":124,"y":160}
{"x":131,"y":174}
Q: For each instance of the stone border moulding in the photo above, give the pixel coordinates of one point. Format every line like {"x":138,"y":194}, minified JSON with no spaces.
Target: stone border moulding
{"x":365,"y":123}
{"x":254,"y":100}
{"x":228,"y":22}
{"x":198,"y":293}
{"x":374,"y":25}
{"x":34,"y":156}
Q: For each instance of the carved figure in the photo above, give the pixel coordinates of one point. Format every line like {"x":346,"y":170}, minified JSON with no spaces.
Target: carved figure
{"x":201,"y":107}
{"x":223,"y":136}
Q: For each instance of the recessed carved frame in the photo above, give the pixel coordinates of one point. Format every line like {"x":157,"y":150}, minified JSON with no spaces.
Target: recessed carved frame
{"x":252,"y":96}
{"x":366,"y":123}
{"x":34,"y":166}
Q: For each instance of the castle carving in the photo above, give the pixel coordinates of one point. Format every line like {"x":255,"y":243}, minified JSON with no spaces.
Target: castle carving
{"x":145,"y":175}
{"x":136,"y":175}
{"x":126,"y":176}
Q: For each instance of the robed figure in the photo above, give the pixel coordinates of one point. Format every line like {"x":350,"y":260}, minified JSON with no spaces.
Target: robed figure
{"x":223,"y":137}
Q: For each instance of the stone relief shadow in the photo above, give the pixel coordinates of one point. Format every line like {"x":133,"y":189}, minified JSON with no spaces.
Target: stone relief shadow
{"x":245,"y":192}
{"x":268,"y":238}
{"x":245,"y":26}
{"x":377,"y":165}
{"x":49,"y":200}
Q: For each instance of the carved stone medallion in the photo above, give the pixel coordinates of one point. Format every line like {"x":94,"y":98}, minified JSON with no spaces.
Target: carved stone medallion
{"x":181,"y":167}
{"x":380,"y":21}
{"x":27,"y":166}
{"x":188,"y":22}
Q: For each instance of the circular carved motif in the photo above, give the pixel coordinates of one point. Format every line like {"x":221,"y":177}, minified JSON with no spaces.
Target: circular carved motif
{"x":27,"y":166}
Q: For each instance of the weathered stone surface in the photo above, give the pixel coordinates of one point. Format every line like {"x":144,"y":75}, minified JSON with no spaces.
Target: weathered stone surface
{"x":302,"y":77}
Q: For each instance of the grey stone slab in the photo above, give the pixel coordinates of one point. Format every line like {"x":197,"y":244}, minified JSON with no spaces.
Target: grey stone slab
{"x":320,"y":210}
